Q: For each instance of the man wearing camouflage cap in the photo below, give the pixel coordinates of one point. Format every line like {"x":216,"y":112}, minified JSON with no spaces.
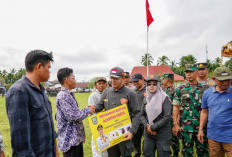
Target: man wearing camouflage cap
{"x":113,"y":97}
{"x":202,"y":74}
{"x":217,"y":110}
{"x":187,"y":106}
{"x":168,"y":79}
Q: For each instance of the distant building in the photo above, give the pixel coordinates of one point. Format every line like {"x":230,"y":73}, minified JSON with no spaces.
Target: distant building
{"x":158,"y":70}
{"x":82,"y":87}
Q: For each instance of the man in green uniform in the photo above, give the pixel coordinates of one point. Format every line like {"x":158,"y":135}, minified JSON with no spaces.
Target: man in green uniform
{"x":187,"y":106}
{"x":168,"y":80}
{"x":202,"y":74}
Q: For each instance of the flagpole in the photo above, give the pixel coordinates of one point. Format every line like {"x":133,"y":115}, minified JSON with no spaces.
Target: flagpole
{"x":147,"y":52}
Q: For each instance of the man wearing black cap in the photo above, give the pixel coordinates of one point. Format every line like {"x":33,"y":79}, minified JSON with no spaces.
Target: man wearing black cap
{"x":113,"y":97}
{"x":168,"y":79}
{"x":140,"y":91}
{"x":202,"y":74}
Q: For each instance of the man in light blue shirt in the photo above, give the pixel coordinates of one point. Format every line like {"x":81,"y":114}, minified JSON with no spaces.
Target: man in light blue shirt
{"x":217,"y":111}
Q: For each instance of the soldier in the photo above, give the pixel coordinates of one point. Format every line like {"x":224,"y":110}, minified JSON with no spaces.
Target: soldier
{"x":140,"y":91}
{"x":187,"y":105}
{"x":168,"y":80}
{"x":113,"y":97}
{"x":202,"y":74}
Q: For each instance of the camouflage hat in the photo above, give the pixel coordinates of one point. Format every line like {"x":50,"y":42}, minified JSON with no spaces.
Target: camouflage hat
{"x":168,"y":75}
{"x":222,"y":73}
{"x":191,"y":67}
{"x":152,"y":77}
{"x":100,"y":79}
{"x":202,"y":65}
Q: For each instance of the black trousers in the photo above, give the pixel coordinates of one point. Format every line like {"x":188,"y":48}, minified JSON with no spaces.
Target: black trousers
{"x":123,"y":149}
{"x":75,"y":151}
{"x":137,"y":141}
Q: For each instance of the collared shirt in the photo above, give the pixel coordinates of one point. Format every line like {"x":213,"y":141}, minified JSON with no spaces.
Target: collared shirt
{"x":219,"y":105}
{"x":140,"y":94}
{"x":189,"y":99}
{"x":31,"y":123}
{"x":70,"y":127}
{"x":1,"y":144}
{"x":111,"y":98}
{"x":170,"y":91}
{"x":94,"y":97}
{"x":208,"y":81}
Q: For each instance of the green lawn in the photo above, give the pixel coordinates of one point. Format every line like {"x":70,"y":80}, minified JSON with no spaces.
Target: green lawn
{"x":82,"y":99}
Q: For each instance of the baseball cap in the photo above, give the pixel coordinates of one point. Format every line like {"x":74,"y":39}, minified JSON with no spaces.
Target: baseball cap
{"x":202,"y":65}
{"x":116,"y":72}
{"x":191,"y":67}
{"x":222,"y":73}
{"x":136,"y":77}
{"x":168,"y":75}
{"x":152,"y":77}
{"x":100,"y":79}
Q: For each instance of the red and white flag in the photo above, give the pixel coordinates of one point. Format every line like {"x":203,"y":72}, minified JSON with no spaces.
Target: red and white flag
{"x":149,"y":16}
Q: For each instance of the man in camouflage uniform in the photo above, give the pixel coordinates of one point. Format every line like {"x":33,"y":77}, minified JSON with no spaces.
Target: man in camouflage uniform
{"x":202,"y":74}
{"x":187,"y":105}
{"x":168,"y":80}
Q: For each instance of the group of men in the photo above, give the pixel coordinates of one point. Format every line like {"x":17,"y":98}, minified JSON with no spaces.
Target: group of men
{"x":32,"y":128}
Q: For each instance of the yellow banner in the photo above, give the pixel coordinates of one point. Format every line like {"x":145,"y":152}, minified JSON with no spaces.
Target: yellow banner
{"x":109,"y":127}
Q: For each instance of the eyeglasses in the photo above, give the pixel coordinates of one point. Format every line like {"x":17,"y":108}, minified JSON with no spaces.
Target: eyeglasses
{"x":72,"y":78}
{"x":153,"y":84}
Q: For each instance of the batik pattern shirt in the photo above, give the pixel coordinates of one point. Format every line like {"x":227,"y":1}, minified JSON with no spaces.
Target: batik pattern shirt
{"x":70,"y":127}
{"x":189,"y":99}
{"x":1,"y":143}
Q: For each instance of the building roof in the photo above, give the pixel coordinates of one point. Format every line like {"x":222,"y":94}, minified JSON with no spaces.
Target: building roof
{"x":82,"y":84}
{"x":158,"y":70}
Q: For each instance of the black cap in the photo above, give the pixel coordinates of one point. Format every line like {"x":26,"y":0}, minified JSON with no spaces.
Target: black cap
{"x":126,"y":74}
{"x":136,"y":77}
{"x":152,"y":77}
{"x":116,"y":72}
{"x":202,"y":65}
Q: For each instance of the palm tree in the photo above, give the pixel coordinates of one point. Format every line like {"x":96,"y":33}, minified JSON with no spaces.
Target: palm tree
{"x":190,"y":59}
{"x":163,"y":60}
{"x":144,"y":59}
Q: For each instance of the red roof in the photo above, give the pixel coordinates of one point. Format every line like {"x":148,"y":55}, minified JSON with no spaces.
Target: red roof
{"x":158,"y":70}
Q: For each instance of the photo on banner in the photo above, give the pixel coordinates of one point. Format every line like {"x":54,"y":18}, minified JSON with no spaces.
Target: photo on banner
{"x":108,"y":127}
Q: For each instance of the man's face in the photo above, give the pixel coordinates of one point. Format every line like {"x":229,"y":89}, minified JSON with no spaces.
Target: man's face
{"x":152,"y":86}
{"x":45,"y":71}
{"x":202,"y":72}
{"x":223,"y":85}
{"x":71,"y":81}
{"x":191,"y":75}
{"x":139,"y":83}
{"x":101,"y":86}
{"x":165,"y":81}
{"x":126,"y":80}
{"x":116,"y":83}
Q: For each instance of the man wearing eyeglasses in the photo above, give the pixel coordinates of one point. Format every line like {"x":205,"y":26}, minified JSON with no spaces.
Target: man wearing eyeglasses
{"x":187,"y":106}
{"x":217,"y":110}
{"x":70,"y":128}
{"x":113,"y":97}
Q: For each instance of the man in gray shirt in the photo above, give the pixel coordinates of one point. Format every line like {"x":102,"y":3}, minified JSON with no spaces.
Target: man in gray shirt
{"x":94,"y":98}
{"x":113,"y":97}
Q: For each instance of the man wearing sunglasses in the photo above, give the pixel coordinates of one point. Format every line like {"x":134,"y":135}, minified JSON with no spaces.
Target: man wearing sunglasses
{"x":217,"y":110}
{"x":187,"y":105}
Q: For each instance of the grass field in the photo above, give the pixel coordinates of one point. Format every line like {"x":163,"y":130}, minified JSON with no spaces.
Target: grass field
{"x":82,"y":99}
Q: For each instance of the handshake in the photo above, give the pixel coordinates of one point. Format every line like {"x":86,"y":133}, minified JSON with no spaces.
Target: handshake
{"x":92,"y":108}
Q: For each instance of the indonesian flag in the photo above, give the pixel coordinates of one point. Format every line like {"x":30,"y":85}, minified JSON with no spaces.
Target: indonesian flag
{"x":149,"y":16}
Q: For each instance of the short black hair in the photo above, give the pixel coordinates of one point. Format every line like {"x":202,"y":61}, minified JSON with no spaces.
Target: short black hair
{"x":37,"y":56}
{"x":63,"y":73}
{"x":99,"y":126}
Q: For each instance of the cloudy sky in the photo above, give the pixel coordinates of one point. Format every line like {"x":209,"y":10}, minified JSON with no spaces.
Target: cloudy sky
{"x":92,"y":36}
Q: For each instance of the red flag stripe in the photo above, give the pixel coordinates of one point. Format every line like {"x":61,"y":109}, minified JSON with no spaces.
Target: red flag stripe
{"x":149,"y":16}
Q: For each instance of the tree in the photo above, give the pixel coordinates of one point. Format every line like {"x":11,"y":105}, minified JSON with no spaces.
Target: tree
{"x":144,"y":59}
{"x":163,"y":60}
{"x":229,"y":63}
{"x":190,"y":59}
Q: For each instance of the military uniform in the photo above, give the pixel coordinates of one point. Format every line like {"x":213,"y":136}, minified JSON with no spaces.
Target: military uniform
{"x":189,"y":97}
{"x":111,"y":98}
{"x":170,"y":91}
{"x":208,"y":82}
